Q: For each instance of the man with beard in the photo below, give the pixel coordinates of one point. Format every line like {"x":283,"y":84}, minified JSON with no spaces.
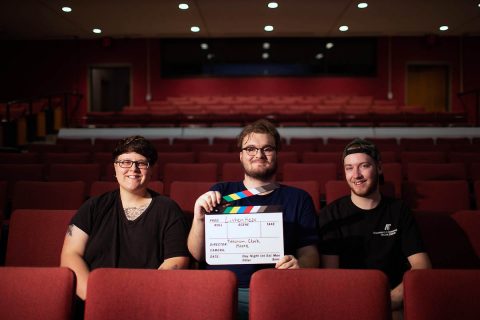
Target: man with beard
{"x":259,"y":143}
{"x":366,"y":230}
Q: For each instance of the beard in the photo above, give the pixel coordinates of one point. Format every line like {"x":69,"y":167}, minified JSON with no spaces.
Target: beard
{"x":370,"y":189}
{"x":262,"y":174}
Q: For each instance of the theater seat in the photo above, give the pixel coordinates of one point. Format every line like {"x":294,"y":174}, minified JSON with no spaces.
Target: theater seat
{"x":185,"y":193}
{"x":319,"y":294}
{"x":446,"y":242}
{"x":160,"y":294}
{"x":48,"y":195}
{"x":436,"y":171}
{"x":35,"y":237}
{"x":320,"y":172}
{"x":200,"y":172}
{"x":309,"y":186}
{"x":469,"y":221}
{"x":36,"y":293}
{"x":441,"y":294}
{"x":437,"y":196}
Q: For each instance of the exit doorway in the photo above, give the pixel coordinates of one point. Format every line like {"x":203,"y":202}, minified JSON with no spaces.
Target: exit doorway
{"x":428,"y":87}
{"x":109,"y":88}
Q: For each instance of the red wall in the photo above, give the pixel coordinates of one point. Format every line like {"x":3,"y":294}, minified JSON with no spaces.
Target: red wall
{"x":39,"y":67}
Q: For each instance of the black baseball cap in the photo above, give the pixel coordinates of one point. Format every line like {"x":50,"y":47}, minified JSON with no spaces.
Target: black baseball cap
{"x":362,"y":146}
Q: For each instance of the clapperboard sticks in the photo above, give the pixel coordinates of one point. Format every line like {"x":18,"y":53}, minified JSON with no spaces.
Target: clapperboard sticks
{"x":225,"y":208}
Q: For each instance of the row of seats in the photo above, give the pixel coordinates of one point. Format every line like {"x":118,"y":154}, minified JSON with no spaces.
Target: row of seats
{"x":217,"y":155}
{"x":442,"y":197}
{"x":221,"y":167}
{"x":202,"y":294}
{"x":452,"y":241}
{"x":310,"y":144}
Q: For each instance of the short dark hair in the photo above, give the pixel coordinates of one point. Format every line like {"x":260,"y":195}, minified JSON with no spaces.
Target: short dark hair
{"x":136,"y":144}
{"x":260,"y":126}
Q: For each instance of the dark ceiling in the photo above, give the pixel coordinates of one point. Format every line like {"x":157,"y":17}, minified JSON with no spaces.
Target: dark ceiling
{"x":44,"y":19}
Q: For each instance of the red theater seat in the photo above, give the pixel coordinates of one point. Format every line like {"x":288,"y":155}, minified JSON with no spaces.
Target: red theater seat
{"x":59,"y":195}
{"x":453,"y":249}
{"x":437,"y":196}
{"x":200,"y":172}
{"x":35,"y":237}
{"x":232,"y":171}
{"x":319,"y":294}
{"x":172,"y":157}
{"x":11,"y":173}
{"x":469,"y":221}
{"x":320,"y":172}
{"x":311,"y":187}
{"x":20,"y":158}
{"x":436,"y":171}
{"x":185,"y":193}
{"x":159,"y":294}
{"x":34,"y":293}
{"x":441,"y":294}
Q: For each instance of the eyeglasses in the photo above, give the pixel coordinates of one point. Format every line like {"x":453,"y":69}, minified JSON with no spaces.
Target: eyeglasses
{"x":129,"y":164}
{"x":252,"y":151}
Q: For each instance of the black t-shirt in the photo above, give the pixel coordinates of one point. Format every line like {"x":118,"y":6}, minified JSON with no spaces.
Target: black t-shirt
{"x":381,"y":238}
{"x":114,"y":241}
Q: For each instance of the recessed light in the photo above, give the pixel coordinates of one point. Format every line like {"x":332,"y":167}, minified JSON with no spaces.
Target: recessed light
{"x":265,"y":55}
{"x":443,"y":28}
{"x":183,"y":6}
{"x":268,"y":28}
{"x":266,"y":45}
{"x":343,"y":28}
{"x":329,"y":45}
{"x":362,"y":5}
{"x":97,"y":30}
{"x":319,"y":56}
{"x":204,"y":46}
{"x":272,"y":5}
{"x":66,"y":9}
{"x":195,"y":29}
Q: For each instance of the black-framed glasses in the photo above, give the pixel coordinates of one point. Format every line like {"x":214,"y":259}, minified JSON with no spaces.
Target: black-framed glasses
{"x":252,"y":151}
{"x":129,"y":164}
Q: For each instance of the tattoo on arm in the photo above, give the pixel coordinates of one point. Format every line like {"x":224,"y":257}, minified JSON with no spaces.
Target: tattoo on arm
{"x":69,"y":230}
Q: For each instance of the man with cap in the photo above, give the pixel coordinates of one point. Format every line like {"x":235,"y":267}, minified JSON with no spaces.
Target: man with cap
{"x":367,"y":230}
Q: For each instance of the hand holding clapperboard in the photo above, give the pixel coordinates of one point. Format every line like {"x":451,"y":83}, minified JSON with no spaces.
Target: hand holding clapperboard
{"x":244,"y":234}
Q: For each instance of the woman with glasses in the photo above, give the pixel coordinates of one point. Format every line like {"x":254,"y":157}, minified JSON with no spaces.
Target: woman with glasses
{"x":131,"y":227}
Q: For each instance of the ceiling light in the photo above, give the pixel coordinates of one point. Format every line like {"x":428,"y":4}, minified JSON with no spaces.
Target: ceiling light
{"x":362,"y":5}
{"x":329,"y":45}
{"x":265,"y":55}
{"x":204,"y":46}
{"x":272,"y":5}
{"x":183,"y":6}
{"x":210,"y":56}
{"x":66,"y":9}
{"x":266,"y":45}
{"x":97,"y":30}
{"x":343,"y":28}
{"x":319,"y":56}
{"x":195,"y":29}
{"x":268,"y":28}
{"x":443,"y":28}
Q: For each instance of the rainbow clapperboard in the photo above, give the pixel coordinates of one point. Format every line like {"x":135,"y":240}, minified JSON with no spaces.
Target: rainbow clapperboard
{"x":244,"y":234}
